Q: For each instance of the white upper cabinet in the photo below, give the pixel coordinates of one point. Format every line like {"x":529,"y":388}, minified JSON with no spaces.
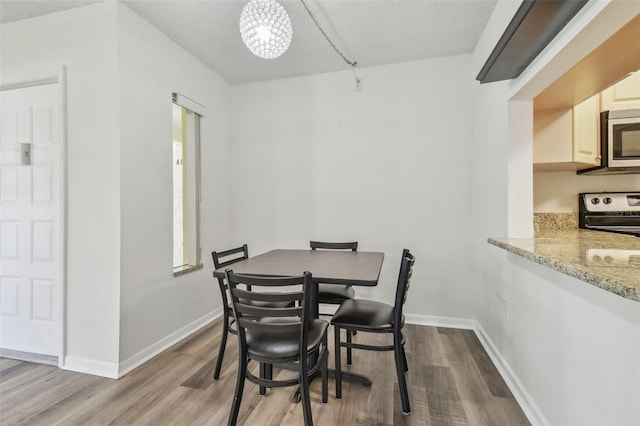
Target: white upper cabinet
{"x":567,"y":138}
{"x":586,"y":131}
{"x":625,"y":94}
{"x":552,"y":136}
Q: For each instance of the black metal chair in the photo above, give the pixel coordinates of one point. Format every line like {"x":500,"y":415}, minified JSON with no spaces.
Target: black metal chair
{"x":277,"y":335}
{"x":335,"y":294}
{"x":376,"y":317}
{"x":222,"y":259}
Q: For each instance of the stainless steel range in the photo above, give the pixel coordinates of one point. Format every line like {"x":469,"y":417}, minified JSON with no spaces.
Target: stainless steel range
{"x":610,"y":211}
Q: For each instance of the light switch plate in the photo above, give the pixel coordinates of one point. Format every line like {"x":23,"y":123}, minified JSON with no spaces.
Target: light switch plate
{"x":25,"y":154}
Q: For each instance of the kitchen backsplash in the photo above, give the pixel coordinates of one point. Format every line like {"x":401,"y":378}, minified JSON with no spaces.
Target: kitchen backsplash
{"x":554,"y":221}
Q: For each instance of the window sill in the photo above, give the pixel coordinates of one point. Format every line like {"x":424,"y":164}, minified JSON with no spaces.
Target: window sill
{"x":181,"y":270}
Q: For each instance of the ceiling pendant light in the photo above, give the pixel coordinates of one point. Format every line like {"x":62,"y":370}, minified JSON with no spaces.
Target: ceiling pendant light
{"x":265,"y":28}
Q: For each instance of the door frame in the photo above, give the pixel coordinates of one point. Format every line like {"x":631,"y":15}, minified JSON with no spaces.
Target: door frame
{"x":18,"y":80}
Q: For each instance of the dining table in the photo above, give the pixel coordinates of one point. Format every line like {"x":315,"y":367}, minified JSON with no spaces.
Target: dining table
{"x":357,"y":268}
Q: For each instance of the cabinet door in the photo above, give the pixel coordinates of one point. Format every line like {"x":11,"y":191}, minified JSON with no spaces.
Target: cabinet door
{"x":625,"y":94}
{"x":552,"y":136}
{"x":586,"y":131}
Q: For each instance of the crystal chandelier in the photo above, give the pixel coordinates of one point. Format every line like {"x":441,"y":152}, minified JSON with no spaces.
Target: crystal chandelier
{"x":265,"y":28}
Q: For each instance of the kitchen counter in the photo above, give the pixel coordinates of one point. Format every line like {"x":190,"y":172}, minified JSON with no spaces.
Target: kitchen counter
{"x":603,"y":259}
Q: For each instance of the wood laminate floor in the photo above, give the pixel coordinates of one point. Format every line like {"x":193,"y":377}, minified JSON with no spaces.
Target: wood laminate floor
{"x":451,"y":382}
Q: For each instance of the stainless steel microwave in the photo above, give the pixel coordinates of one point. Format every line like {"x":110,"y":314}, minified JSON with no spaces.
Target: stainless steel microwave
{"x":620,"y":143}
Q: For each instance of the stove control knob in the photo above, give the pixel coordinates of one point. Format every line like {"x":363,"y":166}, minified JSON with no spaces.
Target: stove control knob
{"x":607,"y":200}
{"x":595,"y":201}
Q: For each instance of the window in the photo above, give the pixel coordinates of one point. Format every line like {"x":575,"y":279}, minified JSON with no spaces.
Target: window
{"x":186,"y":184}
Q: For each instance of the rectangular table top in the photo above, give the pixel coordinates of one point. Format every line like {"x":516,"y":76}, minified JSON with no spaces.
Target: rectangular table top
{"x":327,"y":266}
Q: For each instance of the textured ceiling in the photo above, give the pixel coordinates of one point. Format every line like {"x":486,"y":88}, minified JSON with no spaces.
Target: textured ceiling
{"x":369,"y":32}
{"x":17,"y":10}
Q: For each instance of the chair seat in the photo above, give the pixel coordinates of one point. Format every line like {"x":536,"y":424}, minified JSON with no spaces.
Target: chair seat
{"x":278,"y":345}
{"x":364,"y":315}
{"x":334,"y":294}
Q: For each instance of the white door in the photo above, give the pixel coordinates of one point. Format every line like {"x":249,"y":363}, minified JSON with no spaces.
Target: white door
{"x":30,"y":221}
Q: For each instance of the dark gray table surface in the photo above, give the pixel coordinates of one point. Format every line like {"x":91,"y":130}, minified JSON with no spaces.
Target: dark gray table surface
{"x":339,"y":267}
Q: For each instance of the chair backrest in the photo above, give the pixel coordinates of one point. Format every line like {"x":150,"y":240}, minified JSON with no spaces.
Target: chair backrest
{"x":353,"y":246}
{"x":226,"y":258}
{"x":404,"y":281}
{"x":252,"y":313}
{"x":238,"y":253}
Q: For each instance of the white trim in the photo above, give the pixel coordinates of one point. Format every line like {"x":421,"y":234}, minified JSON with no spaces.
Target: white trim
{"x":91,"y":366}
{"x":30,"y":83}
{"x":62,"y":226}
{"x":435,"y":321}
{"x":524,"y":399}
{"x":28,"y":77}
{"x":115,"y":371}
{"x":161,"y":345}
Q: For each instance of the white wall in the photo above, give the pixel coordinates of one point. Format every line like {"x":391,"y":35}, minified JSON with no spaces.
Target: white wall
{"x":123,"y":304}
{"x":555,"y":192}
{"x":417,"y":159}
{"x":154,"y":304}
{"x":387,"y":166}
{"x":83,"y":40}
{"x":573,"y":349}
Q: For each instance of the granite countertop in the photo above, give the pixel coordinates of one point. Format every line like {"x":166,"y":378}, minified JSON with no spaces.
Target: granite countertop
{"x":603,"y":259}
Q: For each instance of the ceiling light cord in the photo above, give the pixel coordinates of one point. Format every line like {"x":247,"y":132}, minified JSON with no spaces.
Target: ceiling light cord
{"x":352,"y":63}
{"x":357,"y":80}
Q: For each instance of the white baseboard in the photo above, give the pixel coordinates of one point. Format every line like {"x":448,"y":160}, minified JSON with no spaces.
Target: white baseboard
{"x":114,"y":370}
{"x":91,"y":366}
{"x":146,"y":354}
{"x":435,"y":321}
{"x":526,"y":402}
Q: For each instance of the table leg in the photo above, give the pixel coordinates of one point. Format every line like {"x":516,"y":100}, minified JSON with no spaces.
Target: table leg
{"x":315,"y":306}
{"x":346,"y":376}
